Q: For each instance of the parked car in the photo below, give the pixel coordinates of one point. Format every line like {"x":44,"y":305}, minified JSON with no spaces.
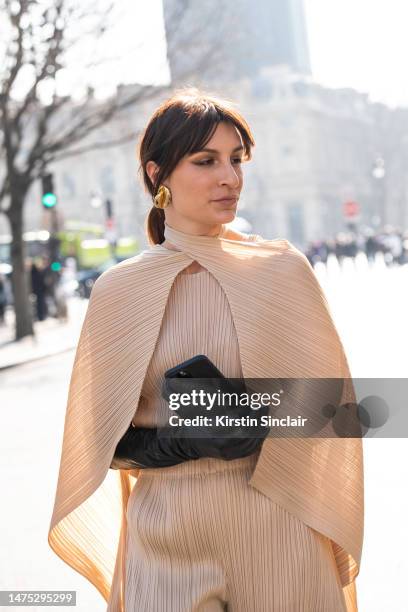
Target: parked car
{"x":87,"y":278}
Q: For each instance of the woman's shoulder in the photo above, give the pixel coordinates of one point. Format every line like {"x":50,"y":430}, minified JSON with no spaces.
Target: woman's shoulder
{"x":290,"y":256}
{"x":280,"y":244}
{"x":233,"y":234}
{"x":123,"y":271}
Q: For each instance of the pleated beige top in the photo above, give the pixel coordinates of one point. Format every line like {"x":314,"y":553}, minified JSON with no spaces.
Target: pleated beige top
{"x":197,"y":320}
{"x":120,"y":335}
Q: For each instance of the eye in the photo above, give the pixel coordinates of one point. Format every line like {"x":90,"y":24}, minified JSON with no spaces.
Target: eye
{"x":208,"y":162}
{"x":204,"y":162}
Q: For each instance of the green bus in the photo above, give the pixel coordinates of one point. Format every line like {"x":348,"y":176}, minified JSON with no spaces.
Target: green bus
{"x":85,"y":242}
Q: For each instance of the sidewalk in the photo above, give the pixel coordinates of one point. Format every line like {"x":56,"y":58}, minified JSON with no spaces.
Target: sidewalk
{"x":51,"y":336}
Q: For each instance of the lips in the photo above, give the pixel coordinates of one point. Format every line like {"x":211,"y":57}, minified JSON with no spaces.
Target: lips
{"x":231,"y":200}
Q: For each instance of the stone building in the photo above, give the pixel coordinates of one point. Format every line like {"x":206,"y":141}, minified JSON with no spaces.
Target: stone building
{"x":315,"y":149}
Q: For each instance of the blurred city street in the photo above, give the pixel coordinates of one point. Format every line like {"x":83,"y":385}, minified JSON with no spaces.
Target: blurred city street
{"x":51,"y":336}
{"x":369,"y":306}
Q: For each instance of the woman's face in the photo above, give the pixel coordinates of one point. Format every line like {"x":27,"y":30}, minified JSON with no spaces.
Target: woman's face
{"x":205,"y":186}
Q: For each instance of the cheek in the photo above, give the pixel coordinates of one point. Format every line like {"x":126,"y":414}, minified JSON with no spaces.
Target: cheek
{"x":198,"y":181}
{"x":191,"y":188}
{"x":189,"y":178}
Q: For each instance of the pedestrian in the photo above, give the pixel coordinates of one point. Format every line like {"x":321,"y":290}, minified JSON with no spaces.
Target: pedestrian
{"x":39,"y":289}
{"x":186,"y":524}
{"x":394,"y":243}
{"x":3,"y":298}
{"x":60,"y":296}
{"x":51,"y":279}
{"x":371,"y":247}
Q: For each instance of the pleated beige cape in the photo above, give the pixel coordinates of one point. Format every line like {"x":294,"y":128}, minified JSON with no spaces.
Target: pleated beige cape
{"x":284,"y":329}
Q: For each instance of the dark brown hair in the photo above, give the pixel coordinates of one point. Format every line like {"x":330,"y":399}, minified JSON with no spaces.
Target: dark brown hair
{"x":180,"y":126}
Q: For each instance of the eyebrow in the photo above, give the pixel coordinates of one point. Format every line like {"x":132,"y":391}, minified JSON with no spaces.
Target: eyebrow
{"x":238,"y":148}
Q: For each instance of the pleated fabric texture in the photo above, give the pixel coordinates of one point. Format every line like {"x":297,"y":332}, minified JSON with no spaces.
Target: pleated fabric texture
{"x":197,"y":320}
{"x":284,"y":329}
{"x":200,"y":539}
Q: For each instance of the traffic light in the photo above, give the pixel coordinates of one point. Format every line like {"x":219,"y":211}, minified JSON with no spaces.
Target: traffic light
{"x":56,"y":266}
{"x":49,"y":199}
{"x":109,"y":208}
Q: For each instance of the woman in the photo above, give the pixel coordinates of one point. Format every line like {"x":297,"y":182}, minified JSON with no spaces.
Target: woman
{"x":274,"y":525}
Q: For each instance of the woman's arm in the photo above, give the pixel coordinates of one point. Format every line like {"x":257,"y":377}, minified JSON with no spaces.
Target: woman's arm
{"x":141,"y":447}
{"x":145,"y":447}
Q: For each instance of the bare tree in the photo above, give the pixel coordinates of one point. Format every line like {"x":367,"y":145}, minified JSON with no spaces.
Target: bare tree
{"x":41,"y":36}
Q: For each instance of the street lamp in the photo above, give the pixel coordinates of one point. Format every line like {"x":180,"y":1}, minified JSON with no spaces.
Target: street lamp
{"x":95,"y":200}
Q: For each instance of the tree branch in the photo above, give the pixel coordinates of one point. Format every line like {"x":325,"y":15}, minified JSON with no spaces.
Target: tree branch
{"x":15,"y":20}
{"x":51,"y":142}
{"x":114,"y":142}
{"x":49,"y":64}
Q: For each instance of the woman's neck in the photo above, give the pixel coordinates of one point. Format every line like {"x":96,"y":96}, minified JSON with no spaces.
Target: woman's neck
{"x":213,"y":232}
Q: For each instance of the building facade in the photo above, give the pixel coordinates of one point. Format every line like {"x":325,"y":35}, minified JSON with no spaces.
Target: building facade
{"x":236,"y":39}
{"x":316,"y":149}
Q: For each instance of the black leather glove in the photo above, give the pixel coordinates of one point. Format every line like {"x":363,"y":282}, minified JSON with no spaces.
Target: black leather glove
{"x":143,"y":447}
{"x":140,"y":447}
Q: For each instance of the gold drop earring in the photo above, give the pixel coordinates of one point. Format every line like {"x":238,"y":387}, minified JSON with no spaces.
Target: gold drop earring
{"x":163,"y":197}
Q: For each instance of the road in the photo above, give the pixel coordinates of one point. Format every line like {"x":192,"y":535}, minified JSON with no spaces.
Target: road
{"x":33,"y":400}
{"x":370,"y":310}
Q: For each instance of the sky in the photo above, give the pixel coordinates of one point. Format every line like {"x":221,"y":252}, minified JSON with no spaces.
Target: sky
{"x":361,"y":44}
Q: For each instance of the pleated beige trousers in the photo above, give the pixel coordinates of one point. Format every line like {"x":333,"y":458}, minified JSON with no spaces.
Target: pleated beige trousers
{"x":201,"y":539}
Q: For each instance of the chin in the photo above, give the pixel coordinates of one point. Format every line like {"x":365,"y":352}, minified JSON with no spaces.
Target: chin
{"x":226,"y":216}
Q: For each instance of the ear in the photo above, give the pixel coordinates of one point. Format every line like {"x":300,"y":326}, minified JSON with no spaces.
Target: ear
{"x":152,"y":169}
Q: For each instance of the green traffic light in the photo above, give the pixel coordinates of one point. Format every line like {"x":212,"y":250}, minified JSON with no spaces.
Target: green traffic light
{"x":56,"y":266}
{"x":49,"y":200}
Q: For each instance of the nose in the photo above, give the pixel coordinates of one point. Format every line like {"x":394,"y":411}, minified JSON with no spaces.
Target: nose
{"x":229,"y":176}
